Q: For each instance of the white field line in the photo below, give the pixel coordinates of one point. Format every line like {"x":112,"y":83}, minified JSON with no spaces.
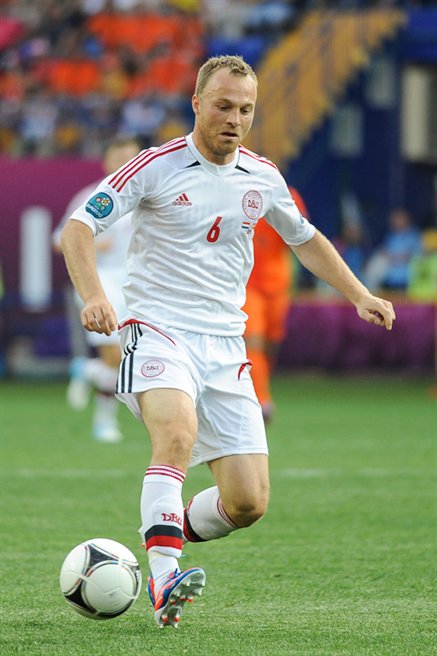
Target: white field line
{"x":367,"y":472}
{"x":66,"y":473}
{"x":289,"y":472}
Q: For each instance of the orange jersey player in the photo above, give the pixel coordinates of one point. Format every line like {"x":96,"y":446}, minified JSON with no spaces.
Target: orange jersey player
{"x":267,"y":304}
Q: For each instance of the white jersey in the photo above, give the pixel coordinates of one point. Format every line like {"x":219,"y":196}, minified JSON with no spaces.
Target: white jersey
{"x":193,"y":221}
{"x":112,"y":256}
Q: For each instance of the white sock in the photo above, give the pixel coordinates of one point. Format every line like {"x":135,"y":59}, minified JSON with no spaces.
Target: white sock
{"x":205,"y":518}
{"x":162,"y":519}
{"x":161,"y":567}
{"x":103,"y":377}
{"x":106,"y":409}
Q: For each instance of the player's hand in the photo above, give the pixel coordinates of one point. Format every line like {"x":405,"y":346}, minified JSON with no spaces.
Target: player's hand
{"x":376,"y":310}
{"x":98,"y":316}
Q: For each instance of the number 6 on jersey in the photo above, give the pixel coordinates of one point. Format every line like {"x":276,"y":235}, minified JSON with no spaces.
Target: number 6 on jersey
{"x":214,"y":232}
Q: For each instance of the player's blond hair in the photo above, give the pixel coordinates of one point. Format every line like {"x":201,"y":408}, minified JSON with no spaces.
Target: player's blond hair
{"x":235,"y":64}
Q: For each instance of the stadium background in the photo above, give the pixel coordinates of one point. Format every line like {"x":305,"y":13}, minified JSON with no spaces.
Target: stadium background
{"x":345,"y":108}
{"x":343,"y":563}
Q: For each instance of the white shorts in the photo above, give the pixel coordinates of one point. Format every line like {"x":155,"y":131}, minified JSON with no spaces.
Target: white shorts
{"x":212,"y":370}
{"x":112,"y":283}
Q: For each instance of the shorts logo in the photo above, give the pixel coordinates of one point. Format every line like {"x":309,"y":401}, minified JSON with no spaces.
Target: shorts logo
{"x":152,"y":368}
{"x":100,"y":205}
{"x":253,"y":205}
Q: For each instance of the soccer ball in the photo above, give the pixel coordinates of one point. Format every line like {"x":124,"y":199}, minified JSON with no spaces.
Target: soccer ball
{"x":100,"y":578}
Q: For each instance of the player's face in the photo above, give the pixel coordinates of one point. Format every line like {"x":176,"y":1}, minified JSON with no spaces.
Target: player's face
{"x":224,"y":114}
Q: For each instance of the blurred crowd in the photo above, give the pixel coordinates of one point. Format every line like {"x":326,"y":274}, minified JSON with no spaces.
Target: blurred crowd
{"x":75,"y":72}
{"x":404,"y":260}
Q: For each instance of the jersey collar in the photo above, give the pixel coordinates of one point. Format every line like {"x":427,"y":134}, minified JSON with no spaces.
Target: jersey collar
{"x":217,"y":169}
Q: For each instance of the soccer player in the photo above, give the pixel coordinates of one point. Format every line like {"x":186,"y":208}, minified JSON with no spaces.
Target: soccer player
{"x":267,"y":304}
{"x":196,"y":202}
{"x":101,"y":372}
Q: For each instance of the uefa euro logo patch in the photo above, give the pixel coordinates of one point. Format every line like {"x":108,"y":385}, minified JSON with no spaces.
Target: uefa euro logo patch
{"x":100,"y":205}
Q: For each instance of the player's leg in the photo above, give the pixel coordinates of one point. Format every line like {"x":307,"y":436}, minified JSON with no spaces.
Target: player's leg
{"x":243,"y":483}
{"x":101,"y":372}
{"x":238,"y":500}
{"x":170,"y":418}
{"x":275,"y":329}
{"x":105,"y":419}
{"x":156,"y":382}
{"x":232,"y":439}
{"x":110,"y":354}
{"x":98,"y":373}
{"x":254,"y":336}
{"x":276,"y":306}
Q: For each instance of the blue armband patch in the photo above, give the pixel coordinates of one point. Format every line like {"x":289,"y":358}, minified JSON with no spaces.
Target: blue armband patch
{"x":100,"y":205}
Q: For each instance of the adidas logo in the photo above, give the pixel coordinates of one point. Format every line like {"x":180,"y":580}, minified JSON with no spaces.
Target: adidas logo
{"x":182,"y":200}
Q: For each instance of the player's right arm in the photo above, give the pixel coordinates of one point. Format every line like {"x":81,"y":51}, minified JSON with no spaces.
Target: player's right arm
{"x":115,"y":196}
{"x":78,"y":199}
{"x":77,"y":241}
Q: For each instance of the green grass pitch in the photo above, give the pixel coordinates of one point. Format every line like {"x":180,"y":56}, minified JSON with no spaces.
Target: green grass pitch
{"x":342,"y":564}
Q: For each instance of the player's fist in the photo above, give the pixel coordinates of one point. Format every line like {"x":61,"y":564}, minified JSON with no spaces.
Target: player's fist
{"x":376,"y":310}
{"x":98,"y":316}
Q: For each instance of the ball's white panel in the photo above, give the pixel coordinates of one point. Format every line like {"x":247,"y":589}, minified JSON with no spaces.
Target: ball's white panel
{"x":73,"y":567}
{"x":109,"y":589}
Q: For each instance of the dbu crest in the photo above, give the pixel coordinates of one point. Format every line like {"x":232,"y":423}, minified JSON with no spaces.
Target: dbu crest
{"x":152,"y":368}
{"x":253,"y":205}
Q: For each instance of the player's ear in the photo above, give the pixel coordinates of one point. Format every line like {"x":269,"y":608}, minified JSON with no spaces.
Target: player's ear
{"x":195,"y":104}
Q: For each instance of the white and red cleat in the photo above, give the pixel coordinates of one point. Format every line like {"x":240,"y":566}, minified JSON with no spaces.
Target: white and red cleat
{"x":170,"y":599}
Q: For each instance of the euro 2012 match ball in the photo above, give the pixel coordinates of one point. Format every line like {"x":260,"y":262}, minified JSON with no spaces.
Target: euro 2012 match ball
{"x":100,"y":578}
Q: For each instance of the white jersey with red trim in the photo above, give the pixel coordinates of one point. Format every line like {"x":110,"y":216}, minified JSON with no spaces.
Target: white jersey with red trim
{"x":193,"y":221}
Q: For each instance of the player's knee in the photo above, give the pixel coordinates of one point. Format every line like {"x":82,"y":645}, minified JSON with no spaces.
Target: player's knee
{"x":180,"y":441}
{"x":246,"y":511}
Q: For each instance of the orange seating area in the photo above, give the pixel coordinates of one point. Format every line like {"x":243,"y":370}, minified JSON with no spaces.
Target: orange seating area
{"x":142,"y":33}
{"x":12,"y":86}
{"x":165,"y":49}
{"x":169,"y":74}
{"x":74,"y":77}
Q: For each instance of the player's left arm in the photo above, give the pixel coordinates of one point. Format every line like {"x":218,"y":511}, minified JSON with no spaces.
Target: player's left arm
{"x":320,"y":257}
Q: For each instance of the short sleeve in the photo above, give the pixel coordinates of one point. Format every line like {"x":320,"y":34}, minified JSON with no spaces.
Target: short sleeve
{"x":285,"y":216}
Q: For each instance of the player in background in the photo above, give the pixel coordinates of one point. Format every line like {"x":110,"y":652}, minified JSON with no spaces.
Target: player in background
{"x":196,"y":201}
{"x":268,"y":295}
{"x":100,"y":373}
